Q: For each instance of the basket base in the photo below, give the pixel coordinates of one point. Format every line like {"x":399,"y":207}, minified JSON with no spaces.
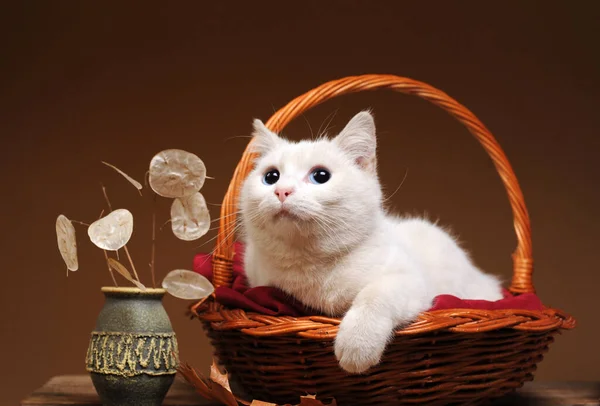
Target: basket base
{"x":439,"y":368}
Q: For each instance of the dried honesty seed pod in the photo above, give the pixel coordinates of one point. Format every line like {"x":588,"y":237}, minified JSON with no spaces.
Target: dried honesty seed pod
{"x":187,"y":285}
{"x":112,"y":231}
{"x":120,"y":268}
{"x":134,"y":182}
{"x":67,"y":245}
{"x":176,"y":173}
{"x":190,"y":218}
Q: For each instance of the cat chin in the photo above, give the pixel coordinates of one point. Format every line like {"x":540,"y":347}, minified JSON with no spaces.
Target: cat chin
{"x":287,"y":216}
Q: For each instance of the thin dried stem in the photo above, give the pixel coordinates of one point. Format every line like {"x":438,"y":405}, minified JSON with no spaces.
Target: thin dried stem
{"x":112,"y":275}
{"x":132,"y":181}
{"x":106,"y":197}
{"x":80,"y":222}
{"x":131,"y":263}
{"x":165,"y":223}
{"x":153,"y":252}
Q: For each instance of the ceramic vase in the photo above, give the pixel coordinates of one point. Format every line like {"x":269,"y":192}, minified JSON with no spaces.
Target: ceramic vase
{"x":132,"y":356}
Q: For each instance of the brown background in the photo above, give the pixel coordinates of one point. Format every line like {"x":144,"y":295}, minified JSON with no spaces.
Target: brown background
{"x":85,"y":82}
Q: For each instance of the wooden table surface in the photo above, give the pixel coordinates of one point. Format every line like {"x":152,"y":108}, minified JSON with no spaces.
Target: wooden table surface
{"x":77,"y":390}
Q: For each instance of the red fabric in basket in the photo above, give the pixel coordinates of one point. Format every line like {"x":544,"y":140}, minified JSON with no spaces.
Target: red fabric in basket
{"x":274,"y":302}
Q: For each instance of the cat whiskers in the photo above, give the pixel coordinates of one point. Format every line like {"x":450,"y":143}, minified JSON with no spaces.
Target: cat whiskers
{"x":217,"y":236}
{"x":221,"y":218}
{"x":398,"y":188}
{"x":330,"y":116}
{"x":333,"y":222}
{"x":330,"y":233}
{"x":237,"y":213}
{"x":312,"y":135}
{"x":348,"y":230}
{"x":235,"y":228}
{"x":253,"y":216}
{"x":236,"y":136}
{"x":327,"y":225}
{"x":221,"y":204}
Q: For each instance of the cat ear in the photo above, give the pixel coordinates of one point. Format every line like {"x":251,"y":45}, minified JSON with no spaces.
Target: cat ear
{"x":263,"y":139}
{"x":358,"y":140}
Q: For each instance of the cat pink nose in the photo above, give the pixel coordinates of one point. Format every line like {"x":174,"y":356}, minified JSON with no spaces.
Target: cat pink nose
{"x":283,"y":192}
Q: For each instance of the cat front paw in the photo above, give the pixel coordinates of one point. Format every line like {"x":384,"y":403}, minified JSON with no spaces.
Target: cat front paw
{"x":361,"y":341}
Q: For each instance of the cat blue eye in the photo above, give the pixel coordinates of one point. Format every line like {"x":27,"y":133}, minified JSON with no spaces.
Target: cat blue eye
{"x":319,"y":176}
{"x":271,"y":177}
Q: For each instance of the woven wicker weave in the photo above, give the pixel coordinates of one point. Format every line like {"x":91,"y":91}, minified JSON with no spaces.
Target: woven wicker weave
{"x":446,"y":357}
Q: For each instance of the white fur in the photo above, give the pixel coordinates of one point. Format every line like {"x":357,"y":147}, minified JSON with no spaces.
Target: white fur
{"x":335,"y":248}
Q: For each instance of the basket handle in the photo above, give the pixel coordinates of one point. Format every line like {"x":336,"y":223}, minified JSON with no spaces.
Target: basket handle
{"x":522,"y":259}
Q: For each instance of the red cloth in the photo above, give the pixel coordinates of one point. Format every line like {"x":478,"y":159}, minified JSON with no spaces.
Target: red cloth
{"x":525,"y":301}
{"x":274,"y":302}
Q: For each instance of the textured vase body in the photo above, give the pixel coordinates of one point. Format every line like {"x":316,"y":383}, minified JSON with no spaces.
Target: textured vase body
{"x":133,"y":356}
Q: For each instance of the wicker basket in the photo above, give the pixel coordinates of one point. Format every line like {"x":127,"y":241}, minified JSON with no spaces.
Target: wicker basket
{"x":455,"y":356}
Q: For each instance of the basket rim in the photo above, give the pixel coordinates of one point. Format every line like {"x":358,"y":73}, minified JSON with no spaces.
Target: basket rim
{"x":325,"y":328}
{"x":522,"y":256}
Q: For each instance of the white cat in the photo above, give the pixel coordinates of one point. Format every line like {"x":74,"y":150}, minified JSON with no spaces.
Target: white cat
{"x":315,"y":227}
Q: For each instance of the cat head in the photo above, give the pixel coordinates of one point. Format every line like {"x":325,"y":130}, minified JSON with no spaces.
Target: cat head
{"x":313,"y":187}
